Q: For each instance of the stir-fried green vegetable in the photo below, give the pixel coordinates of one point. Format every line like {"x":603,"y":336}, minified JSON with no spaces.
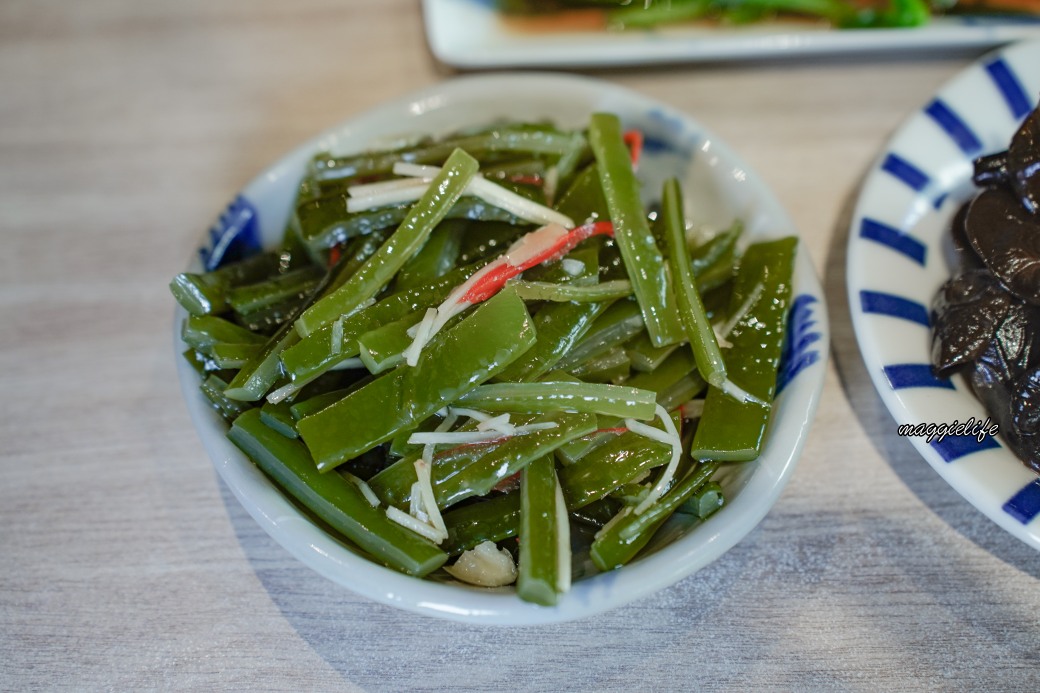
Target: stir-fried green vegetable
{"x":843,"y":14}
{"x":440,"y":362}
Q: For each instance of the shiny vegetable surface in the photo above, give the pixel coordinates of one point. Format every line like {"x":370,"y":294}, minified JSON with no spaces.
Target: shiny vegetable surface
{"x":464,"y":346}
{"x":986,"y":317}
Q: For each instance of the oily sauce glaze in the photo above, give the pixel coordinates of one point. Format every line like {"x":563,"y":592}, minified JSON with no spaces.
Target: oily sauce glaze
{"x":987,"y":317}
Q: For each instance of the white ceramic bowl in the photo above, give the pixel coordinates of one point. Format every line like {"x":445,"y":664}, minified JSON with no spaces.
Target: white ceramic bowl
{"x":898,"y":258}
{"x":719,"y":187}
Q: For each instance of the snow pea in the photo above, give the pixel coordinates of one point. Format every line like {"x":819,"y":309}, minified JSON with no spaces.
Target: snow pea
{"x":334,"y":499}
{"x":409,"y":237}
{"x":642,"y":257}
{"x":497,"y":333}
{"x":731,"y":430}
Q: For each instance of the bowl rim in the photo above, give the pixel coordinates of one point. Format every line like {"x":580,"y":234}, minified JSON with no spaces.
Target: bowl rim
{"x":327,"y":556}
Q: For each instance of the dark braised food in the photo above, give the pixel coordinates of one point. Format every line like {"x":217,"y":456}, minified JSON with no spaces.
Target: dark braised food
{"x":987,"y":317}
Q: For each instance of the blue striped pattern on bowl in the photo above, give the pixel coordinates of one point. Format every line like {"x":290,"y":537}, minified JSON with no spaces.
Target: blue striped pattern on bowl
{"x":898,"y":257}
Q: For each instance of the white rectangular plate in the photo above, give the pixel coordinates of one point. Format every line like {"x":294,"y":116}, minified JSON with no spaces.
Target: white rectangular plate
{"x":472,"y":34}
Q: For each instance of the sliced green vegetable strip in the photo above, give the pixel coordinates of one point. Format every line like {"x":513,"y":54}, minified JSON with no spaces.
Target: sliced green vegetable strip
{"x":337,"y":501}
{"x":256,"y":377}
{"x":316,"y":354}
{"x":584,"y":200}
{"x":645,"y":357}
{"x":619,"y":542}
{"x":542,"y":141}
{"x":618,"y":324}
{"x":382,"y":348}
{"x":325,"y":222}
{"x":676,"y":376}
{"x":312,"y":405}
{"x":458,"y":359}
{"x":719,"y":249}
{"x":598,"y":513}
{"x":295,"y":284}
{"x":612,"y":366}
{"x":437,"y":258}
{"x":214,"y":388}
{"x":539,"y":579}
{"x":409,"y":237}
{"x":559,"y":327}
{"x":494,"y":519}
{"x":393,"y":484}
{"x":545,"y":291}
{"x":626,"y":457}
{"x":280,"y":418}
{"x":511,"y":456}
{"x":203,"y":294}
{"x":233,"y":356}
{"x":203,"y":331}
{"x":698,"y":329}
{"x":632,"y":233}
{"x":593,"y":398}
{"x":730,"y":430}
{"x":708,"y":500}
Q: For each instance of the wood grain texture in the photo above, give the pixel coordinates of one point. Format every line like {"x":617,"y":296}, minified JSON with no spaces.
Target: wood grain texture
{"x":126,"y":565}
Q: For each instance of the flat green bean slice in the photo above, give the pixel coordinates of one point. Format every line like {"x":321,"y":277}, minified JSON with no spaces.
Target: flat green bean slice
{"x":628,"y":456}
{"x":205,"y":294}
{"x":337,"y":501}
{"x":437,"y":257}
{"x":559,"y":327}
{"x":546,"y":291}
{"x":511,"y":140}
{"x":204,"y":331}
{"x":295,"y":284}
{"x":494,"y":519}
{"x":409,"y":237}
{"x":316,"y":353}
{"x":642,"y":257}
{"x":698,"y":329}
{"x":622,"y":538}
{"x":514,"y":454}
{"x":622,"y":321}
{"x":458,"y":359}
{"x":731,"y":430}
{"x":612,"y":366}
{"x":540,"y":577}
{"x":646,"y":357}
{"x":383,"y":348}
{"x":214,"y":387}
{"x":592,"y":398}
{"x":280,"y":418}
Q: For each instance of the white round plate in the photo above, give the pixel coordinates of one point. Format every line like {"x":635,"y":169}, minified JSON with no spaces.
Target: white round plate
{"x":897,"y":260}
{"x":720,"y":187}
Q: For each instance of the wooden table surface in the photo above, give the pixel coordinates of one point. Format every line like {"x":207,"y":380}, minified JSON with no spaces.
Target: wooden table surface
{"x":125,"y":564}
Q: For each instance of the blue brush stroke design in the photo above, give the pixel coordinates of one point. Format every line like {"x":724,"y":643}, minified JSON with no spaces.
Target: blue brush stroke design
{"x":952,"y":124}
{"x":913,"y":177}
{"x":895,"y":306}
{"x":667,"y":134}
{"x":893,"y":238}
{"x":797,"y":354}
{"x":1025,"y":505}
{"x":235,"y":235}
{"x":953,"y":448}
{"x":905,"y":375}
{"x":1010,"y":88}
